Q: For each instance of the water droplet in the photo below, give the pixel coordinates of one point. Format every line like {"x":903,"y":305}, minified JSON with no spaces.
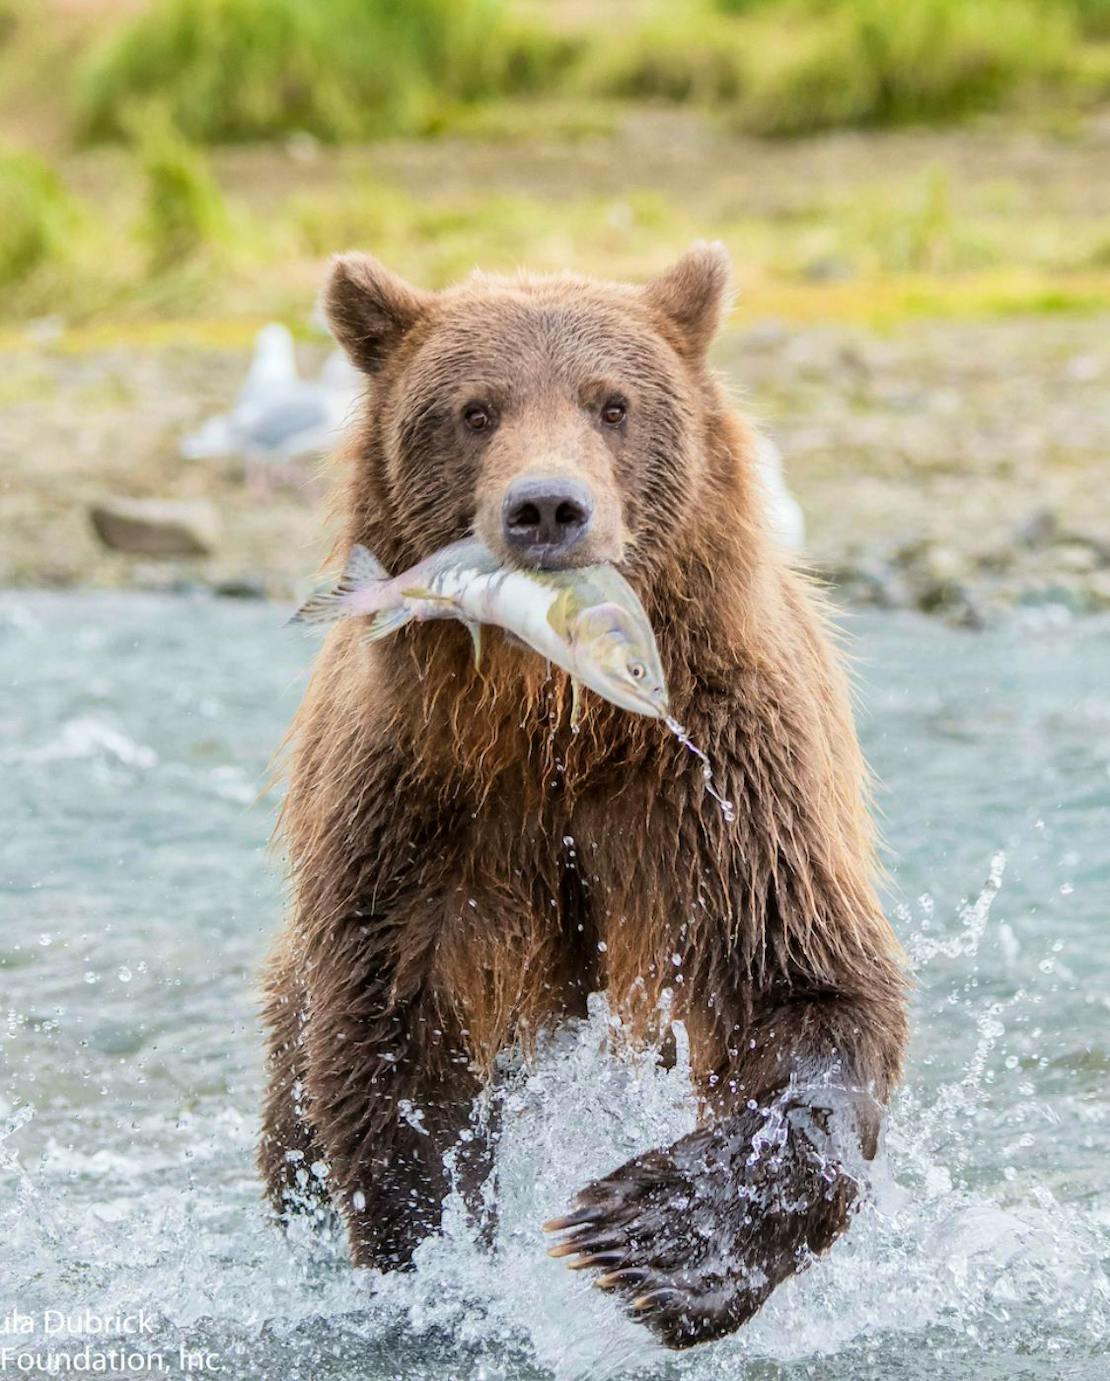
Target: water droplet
{"x":728,"y":810}
{"x":124,"y":974}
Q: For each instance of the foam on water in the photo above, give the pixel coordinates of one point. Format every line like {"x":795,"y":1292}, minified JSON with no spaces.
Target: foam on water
{"x":931,"y":1257}
{"x":128,"y":1105}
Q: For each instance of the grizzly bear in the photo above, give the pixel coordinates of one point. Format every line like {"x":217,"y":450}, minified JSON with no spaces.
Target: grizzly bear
{"x":467,"y":866}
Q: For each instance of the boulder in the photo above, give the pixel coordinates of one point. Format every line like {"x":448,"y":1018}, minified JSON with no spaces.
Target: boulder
{"x":156,"y":527}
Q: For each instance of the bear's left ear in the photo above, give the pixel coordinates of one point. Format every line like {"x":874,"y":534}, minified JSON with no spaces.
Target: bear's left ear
{"x":692,"y":295}
{"x":369,"y":309}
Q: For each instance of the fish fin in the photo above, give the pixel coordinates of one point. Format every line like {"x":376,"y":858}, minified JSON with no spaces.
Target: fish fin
{"x":387,"y":622}
{"x":575,"y":704}
{"x":327,"y":606}
{"x":561,"y":612}
{"x":475,"y":631}
{"x":363,"y":566}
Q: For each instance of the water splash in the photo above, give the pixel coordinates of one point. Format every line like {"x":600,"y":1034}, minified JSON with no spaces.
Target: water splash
{"x":728,"y":810}
{"x":939,"y":1261}
{"x":981,"y":1252}
{"x":974,"y":916}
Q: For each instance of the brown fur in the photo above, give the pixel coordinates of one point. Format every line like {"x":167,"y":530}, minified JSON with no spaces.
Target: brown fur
{"x":438,"y":915}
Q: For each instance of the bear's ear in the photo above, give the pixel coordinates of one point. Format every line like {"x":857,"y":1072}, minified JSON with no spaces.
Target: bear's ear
{"x":692,"y":295}
{"x":370,"y":309}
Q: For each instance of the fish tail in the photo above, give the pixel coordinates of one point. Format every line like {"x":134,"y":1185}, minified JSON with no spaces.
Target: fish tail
{"x":327,"y":606}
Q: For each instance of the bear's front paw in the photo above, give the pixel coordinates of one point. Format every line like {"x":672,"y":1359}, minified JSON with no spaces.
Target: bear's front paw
{"x":663,"y":1230}
{"x":695,"y":1237}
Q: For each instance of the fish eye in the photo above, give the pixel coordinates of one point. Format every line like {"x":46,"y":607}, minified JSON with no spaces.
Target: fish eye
{"x":637,"y":670}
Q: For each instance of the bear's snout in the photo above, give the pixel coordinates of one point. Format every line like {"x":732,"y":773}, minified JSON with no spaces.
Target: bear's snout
{"x":543,"y":517}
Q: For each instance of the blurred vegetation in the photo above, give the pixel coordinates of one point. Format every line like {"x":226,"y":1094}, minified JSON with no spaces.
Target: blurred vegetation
{"x":134,"y":205}
{"x":38,"y":218}
{"x":231,"y":70}
{"x":7,"y":19}
{"x":165,"y":232}
{"x":183,"y":208}
{"x":789,"y":67}
{"x":1094,"y":16}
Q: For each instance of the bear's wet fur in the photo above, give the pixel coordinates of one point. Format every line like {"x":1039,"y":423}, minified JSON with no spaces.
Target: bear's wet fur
{"x":466,"y":869}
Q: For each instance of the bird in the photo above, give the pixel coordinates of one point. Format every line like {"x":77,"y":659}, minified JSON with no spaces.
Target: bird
{"x":278,"y":417}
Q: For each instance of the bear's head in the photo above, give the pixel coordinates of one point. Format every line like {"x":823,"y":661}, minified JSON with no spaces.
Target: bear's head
{"x":561,"y":420}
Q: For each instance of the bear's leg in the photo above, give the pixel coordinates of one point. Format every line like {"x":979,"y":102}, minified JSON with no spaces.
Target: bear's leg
{"x":403,"y":1005}
{"x":695,"y":1237}
{"x":287,"y":1149}
{"x":392,"y":1095}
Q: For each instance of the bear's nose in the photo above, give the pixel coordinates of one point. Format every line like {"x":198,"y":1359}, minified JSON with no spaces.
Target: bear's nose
{"x":542,"y":518}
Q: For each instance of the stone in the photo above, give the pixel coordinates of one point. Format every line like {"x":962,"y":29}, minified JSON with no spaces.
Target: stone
{"x":1097,"y":590}
{"x":162,"y":528}
{"x":240,"y":587}
{"x":1039,"y":529}
{"x":864,"y":582}
{"x":1077,"y":557}
{"x":943,"y":565}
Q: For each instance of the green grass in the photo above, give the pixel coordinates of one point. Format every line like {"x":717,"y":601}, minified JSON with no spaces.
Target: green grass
{"x":174,"y":225}
{"x":920,"y":61}
{"x":798,"y":66}
{"x":236,"y":70}
{"x":232,"y":70}
{"x":1093,"y":16}
{"x":9,"y":16}
{"x":684,"y":51}
{"x":38,"y":218}
{"x":166,"y":232}
{"x":789,"y":67}
{"x":183,"y":212}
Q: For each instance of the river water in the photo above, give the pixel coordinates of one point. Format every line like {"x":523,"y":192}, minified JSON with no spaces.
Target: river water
{"x":136,"y":898}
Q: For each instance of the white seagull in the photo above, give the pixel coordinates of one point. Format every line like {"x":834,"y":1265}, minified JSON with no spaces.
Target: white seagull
{"x":278,"y":417}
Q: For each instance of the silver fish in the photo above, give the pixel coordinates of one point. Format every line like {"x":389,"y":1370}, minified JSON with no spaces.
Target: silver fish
{"x":586,"y":620}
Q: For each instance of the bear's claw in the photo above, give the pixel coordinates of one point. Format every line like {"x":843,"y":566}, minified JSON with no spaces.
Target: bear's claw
{"x":574,"y":1220}
{"x":633,"y":1228}
{"x":693,"y":1239}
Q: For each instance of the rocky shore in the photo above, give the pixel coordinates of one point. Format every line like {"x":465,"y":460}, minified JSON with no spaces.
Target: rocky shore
{"x":960,"y":469}
{"x":1045,"y":566}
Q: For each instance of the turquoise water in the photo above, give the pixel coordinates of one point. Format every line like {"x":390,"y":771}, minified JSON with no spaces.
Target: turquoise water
{"x":136,"y":898}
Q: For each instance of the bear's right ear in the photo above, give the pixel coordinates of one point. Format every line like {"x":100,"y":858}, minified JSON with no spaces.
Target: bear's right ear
{"x":370,"y":309}
{"x":693,"y":295}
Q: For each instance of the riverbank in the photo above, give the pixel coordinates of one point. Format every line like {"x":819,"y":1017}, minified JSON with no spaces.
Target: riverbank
{"x":921,"y":323}
{"x":960,"y":468}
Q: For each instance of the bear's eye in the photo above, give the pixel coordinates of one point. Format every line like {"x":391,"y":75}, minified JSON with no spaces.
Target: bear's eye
{"x":614,"y":412}
{"x":478,"y":417}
